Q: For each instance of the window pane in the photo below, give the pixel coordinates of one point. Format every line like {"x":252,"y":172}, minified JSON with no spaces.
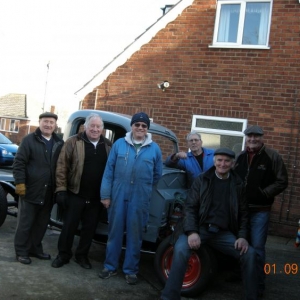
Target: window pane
{"x":229,"y":21}
{"x":222,"y":125}
{"x":256,"y":24}
{"x":214,"y":141}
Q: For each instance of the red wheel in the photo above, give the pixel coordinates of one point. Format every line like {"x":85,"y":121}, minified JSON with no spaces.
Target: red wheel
{"x":199,"y":270}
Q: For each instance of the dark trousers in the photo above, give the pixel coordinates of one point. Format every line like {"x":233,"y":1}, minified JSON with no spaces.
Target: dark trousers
{"x":32,"y":224}
{"x":78,"y":210}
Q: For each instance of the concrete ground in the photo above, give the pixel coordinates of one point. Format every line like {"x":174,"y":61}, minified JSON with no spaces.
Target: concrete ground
{"x":40,"y":281}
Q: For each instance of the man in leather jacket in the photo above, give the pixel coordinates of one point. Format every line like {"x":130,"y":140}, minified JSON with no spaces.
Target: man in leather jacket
{"x":79,"y":172}
{"x":216,"y":214}
{"x":264,"y":174}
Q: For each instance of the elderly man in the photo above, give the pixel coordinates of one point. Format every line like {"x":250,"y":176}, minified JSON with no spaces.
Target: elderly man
{"x":265,"y":176}
{"x":79,"y":172}
{"x":133,"y":167}
{"x":216,"y":214}
{"x":34,"y":173}
{"x":196,"y":161}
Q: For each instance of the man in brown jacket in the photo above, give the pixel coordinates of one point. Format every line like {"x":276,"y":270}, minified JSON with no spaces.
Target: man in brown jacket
{"x":79,"y":172}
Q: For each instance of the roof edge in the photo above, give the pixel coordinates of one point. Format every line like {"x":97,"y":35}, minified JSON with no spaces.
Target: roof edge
{"x":141,"y":40}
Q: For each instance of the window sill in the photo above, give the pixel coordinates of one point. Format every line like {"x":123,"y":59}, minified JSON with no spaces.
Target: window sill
{"x":258,"y":47}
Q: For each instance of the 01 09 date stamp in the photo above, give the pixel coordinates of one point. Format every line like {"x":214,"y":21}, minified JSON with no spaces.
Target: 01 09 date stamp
{"x":285,"y":269}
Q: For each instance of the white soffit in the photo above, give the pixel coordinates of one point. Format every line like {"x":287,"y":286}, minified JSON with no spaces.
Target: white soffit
{"x":141,"y":40}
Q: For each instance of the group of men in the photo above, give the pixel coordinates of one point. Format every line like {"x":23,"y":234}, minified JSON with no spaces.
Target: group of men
{"x":228,"y":207}
{"x":84,"y":175}
{"x":228,"y":203}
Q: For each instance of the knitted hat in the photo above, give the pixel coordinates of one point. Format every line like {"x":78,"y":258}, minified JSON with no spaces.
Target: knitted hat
{"x":140,"y":117}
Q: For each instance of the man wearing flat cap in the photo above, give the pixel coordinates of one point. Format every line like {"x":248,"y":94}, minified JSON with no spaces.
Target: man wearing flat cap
{"x":265,"y":176}
{"x":215,"y":214}
{"x":34,"y":173}
{"x":134,"y":165}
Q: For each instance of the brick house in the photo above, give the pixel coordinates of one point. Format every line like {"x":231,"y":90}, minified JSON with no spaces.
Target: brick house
{"x":15,"y":120}
{"x":222,"y":79}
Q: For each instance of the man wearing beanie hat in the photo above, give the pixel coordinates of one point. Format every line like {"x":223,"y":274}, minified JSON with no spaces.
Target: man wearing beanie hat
{"x":140,"y":117}
{"x":133,"y":167}
{"x":265,"y":176}
{"x":34,"y":173}
{"x":215,"y":214}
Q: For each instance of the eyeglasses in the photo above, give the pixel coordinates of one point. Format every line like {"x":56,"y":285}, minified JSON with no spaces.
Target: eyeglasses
{"x":140,"y":125}
{"x":194,"y":140}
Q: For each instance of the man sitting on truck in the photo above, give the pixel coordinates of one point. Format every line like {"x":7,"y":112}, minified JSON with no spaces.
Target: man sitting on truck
{"x":216,"y":214}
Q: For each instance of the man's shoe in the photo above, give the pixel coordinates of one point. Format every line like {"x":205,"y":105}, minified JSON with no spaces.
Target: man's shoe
{"x":23,"y":259}
{"x":105,"y":274}
{"x":83,"y":262}
{"x":59,"y":262}
{"x":131,"y":278}
{"x":44,"y":256}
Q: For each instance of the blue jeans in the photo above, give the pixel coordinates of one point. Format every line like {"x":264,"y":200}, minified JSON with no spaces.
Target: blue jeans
{"x":222,"y":241}
{"x":259,"y":223}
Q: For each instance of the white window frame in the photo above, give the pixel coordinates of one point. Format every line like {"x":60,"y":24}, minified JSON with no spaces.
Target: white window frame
{"x":13,"y":124}
{"x":3,"y":124}
{"x":244,"y":123}
{"x":238,"y":44}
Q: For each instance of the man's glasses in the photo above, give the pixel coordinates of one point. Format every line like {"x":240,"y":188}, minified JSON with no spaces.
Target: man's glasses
{"x":194,"y":140}
{"x":140,"y":125}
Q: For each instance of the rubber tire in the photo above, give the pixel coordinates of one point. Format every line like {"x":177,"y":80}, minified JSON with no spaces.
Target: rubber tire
{"x":3,"y":205}
{"x":198,"y":274}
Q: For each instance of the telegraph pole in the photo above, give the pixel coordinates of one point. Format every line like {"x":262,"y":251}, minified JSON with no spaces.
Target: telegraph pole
{"x":46,"y":86}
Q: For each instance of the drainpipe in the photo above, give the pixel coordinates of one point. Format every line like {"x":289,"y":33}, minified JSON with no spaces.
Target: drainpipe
{"x":95,"y":105}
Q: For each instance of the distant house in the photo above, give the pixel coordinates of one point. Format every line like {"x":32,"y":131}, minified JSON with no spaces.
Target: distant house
{"x":229,"y":64}
{"x":15,"y":120}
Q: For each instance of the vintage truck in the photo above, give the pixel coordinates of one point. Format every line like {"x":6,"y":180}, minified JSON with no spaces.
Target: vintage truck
{"x":166,"y":207}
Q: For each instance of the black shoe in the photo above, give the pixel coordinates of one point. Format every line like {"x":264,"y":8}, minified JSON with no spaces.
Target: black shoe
{"x":83,"y":262}
{"x":23,"y":259}
{"x":44,"y":256}
{"x":59,"y":262}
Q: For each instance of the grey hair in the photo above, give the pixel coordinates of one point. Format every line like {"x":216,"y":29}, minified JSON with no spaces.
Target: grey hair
{"x":193,"y":133}
{"x":90,"y":117}
{"x":232,"y":159}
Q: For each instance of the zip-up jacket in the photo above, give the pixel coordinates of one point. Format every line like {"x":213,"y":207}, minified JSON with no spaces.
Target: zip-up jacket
{"x":200,"y":198}
{"x":191,"y":165}
{"x":71,"y":161}
{"x":264,"y":178}
{"x":33,"y":166}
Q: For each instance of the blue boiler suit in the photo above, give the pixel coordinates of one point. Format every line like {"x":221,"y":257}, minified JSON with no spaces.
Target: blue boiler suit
{"x":127,"y":181}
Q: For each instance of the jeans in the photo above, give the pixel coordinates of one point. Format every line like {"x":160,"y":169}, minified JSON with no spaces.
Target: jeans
{"x":259,"y":222}
{"x":222,"y":241}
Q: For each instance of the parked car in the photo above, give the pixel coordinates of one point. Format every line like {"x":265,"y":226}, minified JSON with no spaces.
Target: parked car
{"x":8,"y":151}
{"x":166,"y":206}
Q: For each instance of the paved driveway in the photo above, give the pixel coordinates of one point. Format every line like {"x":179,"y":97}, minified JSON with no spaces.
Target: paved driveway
{"x":40,"y":281}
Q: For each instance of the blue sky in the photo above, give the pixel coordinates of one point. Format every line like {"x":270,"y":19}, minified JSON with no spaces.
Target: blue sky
{"x":77,"y":37}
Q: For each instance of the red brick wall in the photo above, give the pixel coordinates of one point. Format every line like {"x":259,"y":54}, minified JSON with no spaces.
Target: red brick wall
{"x":259,"y":85}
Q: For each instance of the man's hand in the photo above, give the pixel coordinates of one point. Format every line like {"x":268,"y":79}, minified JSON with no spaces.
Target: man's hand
{"x":241,"y":244}
{"x":20,"y":189}
{"x":194,"y":241}
{"x":61,"y":199}
{"x":180,"y":155}
{"x":105,"y":202}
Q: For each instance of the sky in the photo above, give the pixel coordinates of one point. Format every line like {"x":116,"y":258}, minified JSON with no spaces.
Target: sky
{"x":50,"y":48}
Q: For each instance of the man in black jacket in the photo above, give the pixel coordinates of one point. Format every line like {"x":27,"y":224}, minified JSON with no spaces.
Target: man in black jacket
{"x":216,"y":214}
{"x":265,"y":176}
{"x":34,"y":173}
